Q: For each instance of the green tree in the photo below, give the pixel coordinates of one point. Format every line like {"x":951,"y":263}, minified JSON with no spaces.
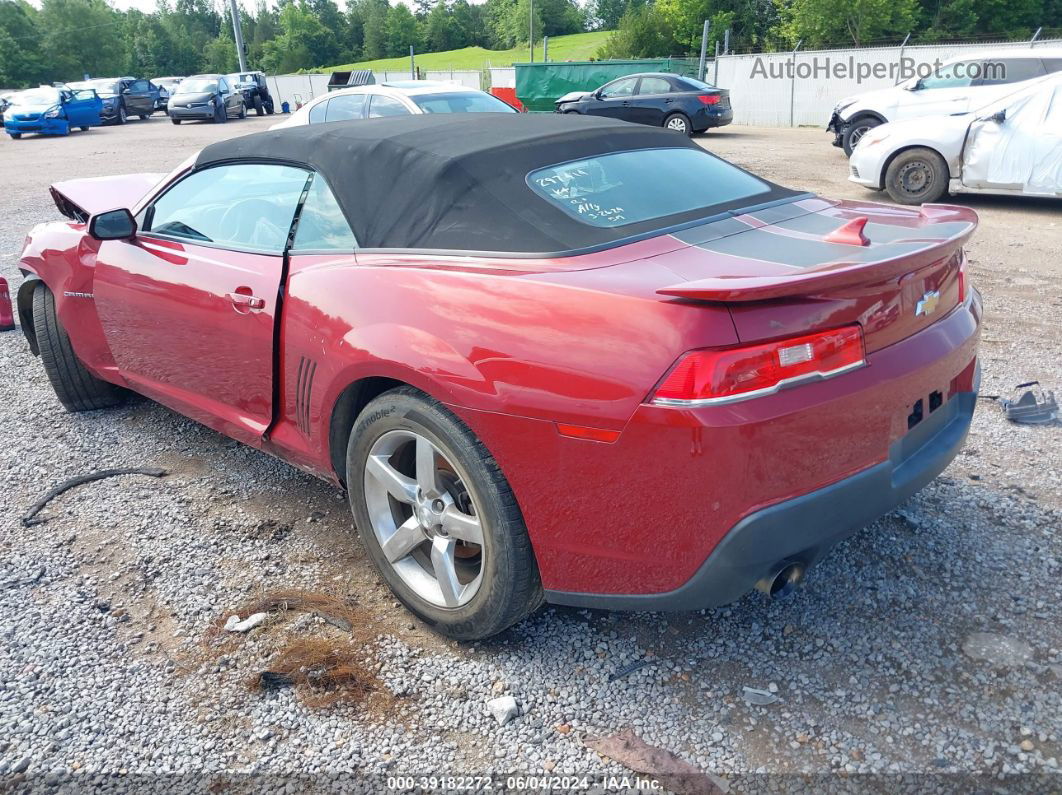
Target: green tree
{"x":374,"y":26}
{"x":81,"y":37}
{"x":642,"y":33}
{"x":607,"y":14}
{"x":826,"y":23}
{"x":22,"y":62}
{"x":438,"y":29}
{"x":401,"y":30}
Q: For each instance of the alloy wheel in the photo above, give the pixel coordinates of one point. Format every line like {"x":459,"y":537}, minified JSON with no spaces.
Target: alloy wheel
{"x":424,"y":518}
{"x":857,"y":133}
{"x":677,"y":123}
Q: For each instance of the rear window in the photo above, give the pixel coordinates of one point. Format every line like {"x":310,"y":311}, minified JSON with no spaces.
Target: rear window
{"x":629,"y":187}
{"x":461,"y":102}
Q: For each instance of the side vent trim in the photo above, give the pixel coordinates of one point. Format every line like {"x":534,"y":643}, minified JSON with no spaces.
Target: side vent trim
{"x":303,"y":392}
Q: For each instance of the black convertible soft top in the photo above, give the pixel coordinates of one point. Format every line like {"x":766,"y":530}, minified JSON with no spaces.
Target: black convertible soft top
{"x":458,"y":182}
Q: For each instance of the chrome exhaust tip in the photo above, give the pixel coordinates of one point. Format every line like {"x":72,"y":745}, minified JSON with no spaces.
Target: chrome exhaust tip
{"x":783,"y":582}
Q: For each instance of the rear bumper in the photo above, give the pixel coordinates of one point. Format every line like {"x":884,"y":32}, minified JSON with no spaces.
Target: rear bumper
{"x":708,"y":118}
{"x":801,"y":530}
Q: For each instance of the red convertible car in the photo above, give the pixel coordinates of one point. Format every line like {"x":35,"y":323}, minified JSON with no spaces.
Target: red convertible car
{"x":551,"y":359}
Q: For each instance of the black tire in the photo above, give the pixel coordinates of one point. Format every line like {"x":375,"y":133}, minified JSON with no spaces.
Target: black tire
{"x":221,"y":114}
{"x":510,"y":589}
{"x":76,"y":387}
{"x":243,"y":111}
{"x":175,"y":121}
{"x":269,"y":107}
{"x":259,"y":106}
{"x":123,"y":117}
{"x":84,"y":129}
{"x":680,"y":123}
{"x":16,"y":136}
{"x":916,"y":176}
{"x":144,"y":116}
{"x":855,"y":130}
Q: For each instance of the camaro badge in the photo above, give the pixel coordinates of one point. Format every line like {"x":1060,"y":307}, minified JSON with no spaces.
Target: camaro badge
{"x":927,"y":305}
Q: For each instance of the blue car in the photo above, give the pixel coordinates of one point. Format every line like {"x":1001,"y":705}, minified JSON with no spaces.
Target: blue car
{"x":52,"y":111}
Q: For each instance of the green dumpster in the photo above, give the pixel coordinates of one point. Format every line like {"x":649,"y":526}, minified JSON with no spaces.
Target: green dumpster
{"x":539,"y":85}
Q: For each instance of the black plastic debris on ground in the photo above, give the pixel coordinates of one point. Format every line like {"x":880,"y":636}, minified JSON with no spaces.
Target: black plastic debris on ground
{"x":1034,"y":406}
{"x":29,"y":520}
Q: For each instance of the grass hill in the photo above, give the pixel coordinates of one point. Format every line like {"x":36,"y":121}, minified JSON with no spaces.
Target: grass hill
{"x":576,"y":47}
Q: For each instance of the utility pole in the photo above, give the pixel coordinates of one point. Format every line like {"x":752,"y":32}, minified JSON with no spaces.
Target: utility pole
{"x":412,"y":64}
{"x":531,"y":30}
{"x":704,"y":49}
{"x":545,"y":49}
{"x":238,"y":32}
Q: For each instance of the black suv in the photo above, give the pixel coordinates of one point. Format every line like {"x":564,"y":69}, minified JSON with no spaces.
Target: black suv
{"x":254,"y":89}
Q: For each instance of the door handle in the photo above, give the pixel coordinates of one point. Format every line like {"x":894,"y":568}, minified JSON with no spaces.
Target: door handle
{"x":626,"y":104}
{"x":244,"y":300}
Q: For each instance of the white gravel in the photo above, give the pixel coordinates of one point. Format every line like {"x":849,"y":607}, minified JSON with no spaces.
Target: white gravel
{"x":930,"y":643}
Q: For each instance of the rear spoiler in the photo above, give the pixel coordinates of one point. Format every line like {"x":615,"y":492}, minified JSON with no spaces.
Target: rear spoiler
{"x":834,"y":275}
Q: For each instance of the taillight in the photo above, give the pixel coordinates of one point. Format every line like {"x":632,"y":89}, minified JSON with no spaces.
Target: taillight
{"x":962,"y":281}
{"x":706,"y":377}
{"x":708,"y":99}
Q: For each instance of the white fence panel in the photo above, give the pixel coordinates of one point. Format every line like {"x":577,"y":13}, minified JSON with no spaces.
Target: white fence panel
{"x":299,"y":89}
{"x":778,"y":89}
{"x":468,"y":79}
{"x":503,"y":77}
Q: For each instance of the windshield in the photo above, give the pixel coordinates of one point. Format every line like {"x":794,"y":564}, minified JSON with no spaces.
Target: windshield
{"x":461,"y":102}
{"x":105,"y":88}
{"x":198,"y":86}
{"x":37,"y":96}
{"x":627,"y":187}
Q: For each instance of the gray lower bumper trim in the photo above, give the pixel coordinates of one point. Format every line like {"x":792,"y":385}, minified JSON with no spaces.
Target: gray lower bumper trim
{"x":805,"y":528}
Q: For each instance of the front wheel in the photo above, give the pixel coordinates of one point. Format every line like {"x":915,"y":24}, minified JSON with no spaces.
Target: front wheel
{"x":916,"y":176}
{"x":76,"y":388}
{"x":243,"y":112}
{"x":16,"y":136}
{"x":438,"y":518}
{"x":855,"y":130}
{"x":84,"y":129}
{"x":175,"y":121}
{"x":259,"y":106}
{"x":679,"y":123}
{"x":122,"y":117}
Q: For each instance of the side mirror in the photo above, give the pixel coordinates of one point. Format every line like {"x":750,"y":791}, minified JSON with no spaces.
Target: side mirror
{"x":917,"y":85}
{"x":999,"y":116}
{"x":598,"y":95}
{"x":112,"y":225}
{"x":127,"y":91}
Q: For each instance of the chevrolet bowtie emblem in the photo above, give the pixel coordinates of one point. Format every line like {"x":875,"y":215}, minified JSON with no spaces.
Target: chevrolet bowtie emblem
{"x":927,"y":304}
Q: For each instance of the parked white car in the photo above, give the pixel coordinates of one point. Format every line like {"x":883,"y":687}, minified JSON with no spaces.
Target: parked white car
{"x":397,"y":98}
{"x":1012,"y":146}
{"x":958,"y":86}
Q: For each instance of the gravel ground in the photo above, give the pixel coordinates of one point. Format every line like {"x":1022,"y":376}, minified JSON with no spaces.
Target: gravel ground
{"x":931,"y":643}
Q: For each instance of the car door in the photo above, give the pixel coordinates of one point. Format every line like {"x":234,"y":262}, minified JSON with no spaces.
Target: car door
{"x":655,"y":99}
{"x":189,"y":305}
{"x":229,"y":97}
{"x":613,"y":99}
{"x":948,"y":90}
{"x":345,"y":107}
{"x":137,"y":97}
{"x":382,"y":105}
{"x":1019,"y":149}
{"x":83,"y":108}
{"x":998,"y":76}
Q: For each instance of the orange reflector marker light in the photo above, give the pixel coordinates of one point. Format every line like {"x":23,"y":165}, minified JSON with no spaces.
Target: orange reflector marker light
{"x":591,"y":434}
{"x":708,"y":377}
